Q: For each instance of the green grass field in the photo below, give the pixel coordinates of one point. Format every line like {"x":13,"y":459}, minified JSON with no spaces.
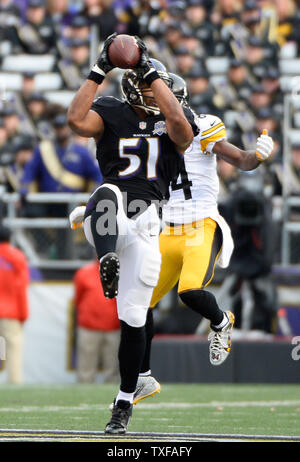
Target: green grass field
{"x":191,"y":408}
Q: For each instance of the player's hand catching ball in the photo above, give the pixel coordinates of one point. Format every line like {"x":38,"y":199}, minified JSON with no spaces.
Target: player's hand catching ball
{"x":264,"y":146}
{"x":145,"y":68}
{"x":76,"y":217}
{"x":103,"y":64}
{"x":103,"y":61}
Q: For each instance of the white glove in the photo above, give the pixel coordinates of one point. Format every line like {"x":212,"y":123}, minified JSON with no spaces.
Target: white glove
{"x":76,"y":216}
{"x":264,"y":146}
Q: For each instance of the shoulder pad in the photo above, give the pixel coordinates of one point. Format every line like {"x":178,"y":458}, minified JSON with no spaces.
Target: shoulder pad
{"x":212,"y":129}
{"x":107,"y":107}
{"x":207,"y":122}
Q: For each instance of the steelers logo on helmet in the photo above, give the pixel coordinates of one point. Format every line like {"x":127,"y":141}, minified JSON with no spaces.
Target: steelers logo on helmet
{"x":137,"y":93}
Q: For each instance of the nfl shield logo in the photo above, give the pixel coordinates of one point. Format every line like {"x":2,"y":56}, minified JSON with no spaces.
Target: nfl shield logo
{"x":142,"y":125}
{"x":159,"y":128}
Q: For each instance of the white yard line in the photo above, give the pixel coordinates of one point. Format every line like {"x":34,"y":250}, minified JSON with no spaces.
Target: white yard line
{"x":73,"y":435}
{"x":146,"y":406}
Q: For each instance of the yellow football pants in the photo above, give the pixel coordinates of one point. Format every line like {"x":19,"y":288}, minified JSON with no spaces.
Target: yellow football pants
{"x":189,"y":254}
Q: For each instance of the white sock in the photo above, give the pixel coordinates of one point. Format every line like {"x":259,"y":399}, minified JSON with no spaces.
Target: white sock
{"x":145,"y":374}
{"x":223,"y":323}
{"x":124,"y":396}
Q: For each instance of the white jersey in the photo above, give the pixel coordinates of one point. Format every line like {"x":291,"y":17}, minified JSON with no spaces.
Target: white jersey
{"x":196,"y":192}
{"x":194,"y":195}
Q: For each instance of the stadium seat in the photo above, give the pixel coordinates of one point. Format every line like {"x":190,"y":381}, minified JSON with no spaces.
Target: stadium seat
{"x":25,"y":62}
{"x":286,"y":82}
{"x":230,"y":118}
{"x":294,"y":136}
{"x":48,"y":81}
{"x":63,"y":97}
{"x":10,"y":81}
{"x":217,"y":65}
{"x":289,"y":66}
{"x":218,"y":79}
{"x":288,"y":50}
{"x":297,"y":119}
{"x":295,"y":99}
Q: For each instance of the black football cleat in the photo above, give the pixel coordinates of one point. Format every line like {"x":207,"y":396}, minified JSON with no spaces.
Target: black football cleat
{"x":109,"y":274}
{"x":120,"y":417}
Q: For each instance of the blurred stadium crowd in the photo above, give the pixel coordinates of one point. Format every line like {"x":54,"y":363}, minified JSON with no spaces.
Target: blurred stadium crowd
{"x":232,"y":54}
{"x":227,"y":50}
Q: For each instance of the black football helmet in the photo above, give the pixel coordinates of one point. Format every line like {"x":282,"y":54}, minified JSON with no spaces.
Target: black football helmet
{"x":135,"y":91}
{"x":179,"y":88}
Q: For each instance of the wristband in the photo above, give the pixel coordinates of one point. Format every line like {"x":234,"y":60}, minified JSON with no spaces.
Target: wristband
{"x":96,"y":74}
{"x":151,"y":76}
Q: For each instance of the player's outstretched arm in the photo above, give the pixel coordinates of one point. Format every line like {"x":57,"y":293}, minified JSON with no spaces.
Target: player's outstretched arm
{"x":245,"y":160}
{"x":83,"y":121}
{"x":178,"y":127}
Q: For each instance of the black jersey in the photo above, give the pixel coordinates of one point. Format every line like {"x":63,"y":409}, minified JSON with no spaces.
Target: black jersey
{"x":136,"y":155}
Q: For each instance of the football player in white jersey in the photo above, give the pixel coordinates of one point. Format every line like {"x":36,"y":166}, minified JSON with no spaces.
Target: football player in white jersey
{"x":195,"y":237}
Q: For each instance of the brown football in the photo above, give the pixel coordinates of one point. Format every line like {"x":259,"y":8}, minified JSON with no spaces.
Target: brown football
{"x":124,"y":52}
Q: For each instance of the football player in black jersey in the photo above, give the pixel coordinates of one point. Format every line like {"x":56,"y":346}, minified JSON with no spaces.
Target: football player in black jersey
{"x":139,"y":146}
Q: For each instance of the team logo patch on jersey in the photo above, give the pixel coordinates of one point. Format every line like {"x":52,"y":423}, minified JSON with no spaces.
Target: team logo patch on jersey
{"x":159,"y":128}
{"x":142,"y":125}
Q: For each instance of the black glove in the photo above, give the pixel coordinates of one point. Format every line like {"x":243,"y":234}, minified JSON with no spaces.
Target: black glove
{"x":103,"y":65}
{"x":145,"y":68}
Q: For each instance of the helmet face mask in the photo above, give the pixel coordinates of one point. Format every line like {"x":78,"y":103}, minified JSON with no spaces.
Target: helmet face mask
{"x":136,"y":92}
{"x":179,"y":88}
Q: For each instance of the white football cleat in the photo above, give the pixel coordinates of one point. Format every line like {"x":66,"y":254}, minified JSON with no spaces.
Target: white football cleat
{"x":146,"y":386}
{"x":220,"y":341}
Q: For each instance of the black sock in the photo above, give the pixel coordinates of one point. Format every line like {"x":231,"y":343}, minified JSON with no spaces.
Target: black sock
{"x":204,"y":303}
{"x":104,"y":221}
{"x":131,"y":353}
{"x":149,"y":331}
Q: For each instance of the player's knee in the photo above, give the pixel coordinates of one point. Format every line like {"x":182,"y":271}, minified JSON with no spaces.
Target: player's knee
{"x":201,"y":301}
{"x":106,"y":209}
{"x":192,"y":297}
{"x":105,"y":195}
{"x":135,"y":317}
